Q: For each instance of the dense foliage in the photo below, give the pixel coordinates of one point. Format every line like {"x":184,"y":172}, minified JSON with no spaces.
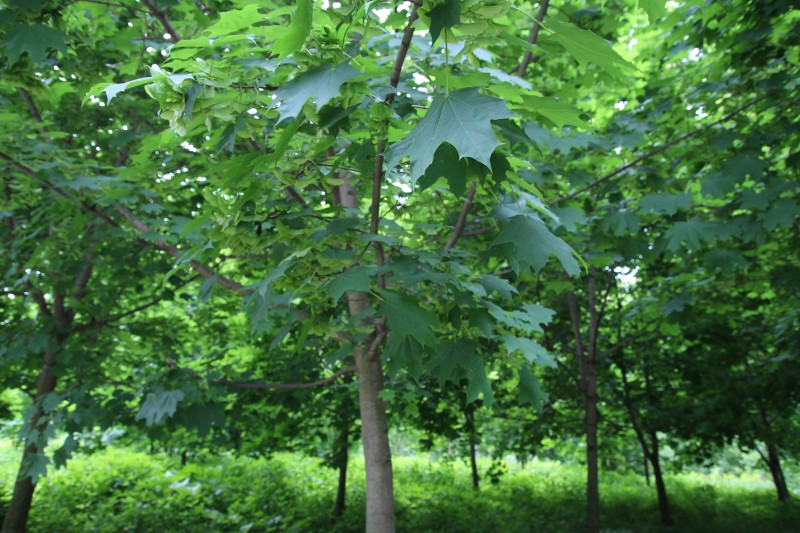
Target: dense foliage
{"x":259,"y":226}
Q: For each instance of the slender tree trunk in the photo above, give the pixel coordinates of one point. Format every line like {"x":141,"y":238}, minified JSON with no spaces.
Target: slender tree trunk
{"x":661,"y":489}
{"x":20,"y":505}
{"x":375,"y":437}
{"x":374,"y":423}
{"x":774,"y":464}
{"x":343,"y":453}
{"x":587,"y":362}
{"x":592,"y":414}
{"x":473,"y":460}
{"x":646,"y":467}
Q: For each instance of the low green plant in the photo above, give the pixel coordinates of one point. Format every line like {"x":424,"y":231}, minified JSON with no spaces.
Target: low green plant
{"x":120,"y":490}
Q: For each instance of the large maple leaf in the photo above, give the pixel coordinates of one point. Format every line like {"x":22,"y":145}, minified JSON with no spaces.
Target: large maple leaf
{"x":461,"y":118}
{"x":319,"y":85}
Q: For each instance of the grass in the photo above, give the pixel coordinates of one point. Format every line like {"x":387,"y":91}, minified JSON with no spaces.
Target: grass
{"x":122,"y":490}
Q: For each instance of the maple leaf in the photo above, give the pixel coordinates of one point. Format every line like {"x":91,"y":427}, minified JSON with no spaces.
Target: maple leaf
{"x":587,"y":47}
{"x":692,"y":232}
{"x":298,"y":32}
{"x":655,"y":8}
{"x":461,"y":118}
{"x":407,"y":319}
{"x":444,"y":16}
{"x":531,"y":245}
{"x":319,"y":84}
{"x":35,"y":39}
{"x":558,"y":112}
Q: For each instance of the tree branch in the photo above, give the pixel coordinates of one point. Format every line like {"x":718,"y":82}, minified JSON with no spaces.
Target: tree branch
{"x":59,"y":191}
{"x":174,"y":252}
{"x":462,"y":218}
{"x":377,"y":174}
{"x":657,"y":151}
{"x":161,"y":15}
{"x":537,"y":26}
{"x":34,"y":111}
{"x":286,"y":386}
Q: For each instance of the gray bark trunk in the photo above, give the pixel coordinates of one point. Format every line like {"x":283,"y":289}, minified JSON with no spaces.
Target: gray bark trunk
{"x":20,"y":505}
{"x":374,"y":423}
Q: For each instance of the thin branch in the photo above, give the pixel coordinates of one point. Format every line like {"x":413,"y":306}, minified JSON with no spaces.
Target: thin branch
{"x":162,"y":18}
{"x":59,"y":191}
{"x":108,"y":320}
{"x":286,"y":386}
{"x":34,"y":111}
{"x":377,"y":174}
{"x":174,"y":252}
{"x":657,"y":151}
{"x":462,"y":218}
{"x":537,"y":25}
{"x":478,"y":231}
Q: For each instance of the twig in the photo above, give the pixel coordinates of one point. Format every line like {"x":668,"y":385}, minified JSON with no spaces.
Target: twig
{"x":162,"y":17}
{"x":537,"y":25}
{"x":657,"y":151}
{"x":462,"y":218}
{"x":26,"y":97}
{"x":286,"y":386}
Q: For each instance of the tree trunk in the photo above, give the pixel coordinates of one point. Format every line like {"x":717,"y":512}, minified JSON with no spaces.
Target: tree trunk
{"x":374,"y":423}
{"x":661,"y":489}
{"x":774,"y":464}
{"x":587,"y":363}
{"x":375,"y":437}
{"x":469,"y":414}
{"x":343,"y":452}
{"x":592,"y":477}
{"x":20,"y":505}
{"x":646,"y":467}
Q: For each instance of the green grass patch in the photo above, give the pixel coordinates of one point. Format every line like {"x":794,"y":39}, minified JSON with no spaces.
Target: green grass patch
{"x":120,"y":490}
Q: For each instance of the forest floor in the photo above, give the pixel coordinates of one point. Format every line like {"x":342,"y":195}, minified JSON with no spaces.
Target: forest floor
{"x":121,"y":489}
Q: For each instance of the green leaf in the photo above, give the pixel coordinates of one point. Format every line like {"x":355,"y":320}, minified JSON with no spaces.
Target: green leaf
{"x":621,"y":222}
{"x":461,"y":118}
{"x":692,"y":232}
{"x":319,"y":84}
{"x":530,"y":349}
{"x":726,"y":261}
{"x":157,"y":407}
{"x":408,"y":319}
{"x":35,"y":466}
{"x":235,"y":20}
{"x":207,"y":288}
{"x":782,"y":213}
{"x":34,"y":39}
{"x":299,"y":29}
{"x":587,"y":47}
{"x":667,"y":204}
{"x":530,"y":390}
{"x":558,"y":112}
{"x":448,"y":165}
{"x":532,"y":244}
{"x":498,"y":285}
{"x":449,"y":356}
{"x":445,"y":15}
{"x":478,"y":382}
{"x":655,"y":9}
{"x":355,"y":279}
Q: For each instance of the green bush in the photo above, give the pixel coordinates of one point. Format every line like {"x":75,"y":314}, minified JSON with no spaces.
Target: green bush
{"x":125,"y":491}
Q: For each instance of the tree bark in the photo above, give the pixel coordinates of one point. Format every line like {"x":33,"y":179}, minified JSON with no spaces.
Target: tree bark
{"x":374,"y":423}
{"x":20,"y":505}
{"x":469,"y":414}
{"x":587,"y":363}
{"x":774,"y":464}
{"x":344,"y":453}
{"x":661,"y":489}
